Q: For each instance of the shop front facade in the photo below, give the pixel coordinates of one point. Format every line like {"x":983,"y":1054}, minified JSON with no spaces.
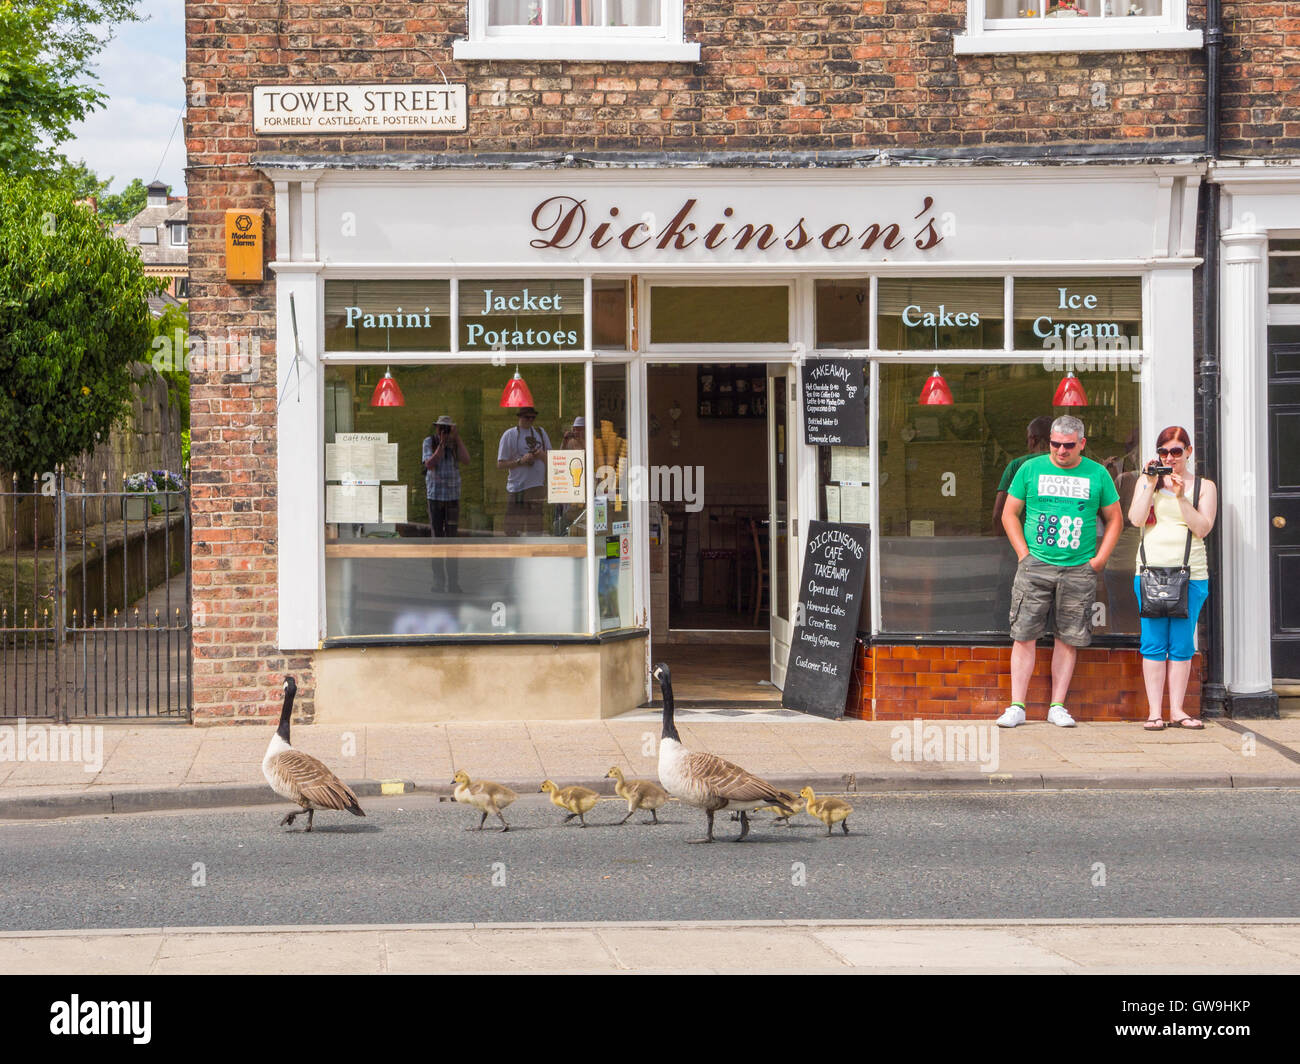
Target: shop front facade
{"x":659,"y":320}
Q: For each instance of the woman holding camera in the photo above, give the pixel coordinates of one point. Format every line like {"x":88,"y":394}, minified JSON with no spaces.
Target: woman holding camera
{"x":1164,"y":509}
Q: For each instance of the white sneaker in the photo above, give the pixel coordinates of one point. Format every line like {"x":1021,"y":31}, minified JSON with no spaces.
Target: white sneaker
{"x":1012,"y":716}
{"x":1059,"y":716}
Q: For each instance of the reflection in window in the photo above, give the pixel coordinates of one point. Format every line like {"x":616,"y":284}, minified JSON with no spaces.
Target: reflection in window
{"x":610,"y":512}
{"x":424,"y":532}
{"x":535,"y":315}
{"x":944,"y":567}
{"x":720,"y":314}
{"x":843,"y":314}
{"x":515,"y":13}
{"x":387,"y":315}
{"x":1068,"y":12}
{"x":941,"y":314}
{"x":1078,"y":313}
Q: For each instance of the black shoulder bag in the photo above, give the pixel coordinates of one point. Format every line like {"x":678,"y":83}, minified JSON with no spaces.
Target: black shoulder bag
{"x":1164,"y":587}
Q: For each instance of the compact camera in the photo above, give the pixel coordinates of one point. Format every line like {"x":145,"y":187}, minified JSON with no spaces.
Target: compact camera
{"x":1156,"y":470}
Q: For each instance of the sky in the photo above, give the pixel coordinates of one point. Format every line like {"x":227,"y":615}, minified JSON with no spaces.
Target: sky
{"x":142,"y":70}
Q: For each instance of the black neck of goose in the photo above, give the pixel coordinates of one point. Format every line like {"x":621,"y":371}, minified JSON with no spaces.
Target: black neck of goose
{"x":285,"y":714}
{"x":670,"y":728}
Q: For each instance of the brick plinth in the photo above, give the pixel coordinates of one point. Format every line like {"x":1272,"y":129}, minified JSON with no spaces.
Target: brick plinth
{"x":910,"y":681}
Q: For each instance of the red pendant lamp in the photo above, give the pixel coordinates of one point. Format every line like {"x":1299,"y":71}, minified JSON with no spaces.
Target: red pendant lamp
{"x":935,"y":391}
{"x":387,"y":393}
{"x":1070,"y":391}
{"x":516,"y":392}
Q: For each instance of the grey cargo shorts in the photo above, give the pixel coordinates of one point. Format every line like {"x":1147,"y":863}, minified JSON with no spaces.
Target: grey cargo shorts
{"x":1038,"y":586}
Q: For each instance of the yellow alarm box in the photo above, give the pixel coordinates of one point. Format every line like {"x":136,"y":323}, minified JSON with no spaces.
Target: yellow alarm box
{"x":244,"y":244}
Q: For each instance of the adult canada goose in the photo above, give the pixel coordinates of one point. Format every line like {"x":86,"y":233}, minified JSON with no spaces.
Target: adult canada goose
{"x":639,"y":794}
{"x":706,"y":780}
{"x":576,"y":801}
{"x":828,"y":810}
{"x":485,"y":796}
{"x":300,"y":777}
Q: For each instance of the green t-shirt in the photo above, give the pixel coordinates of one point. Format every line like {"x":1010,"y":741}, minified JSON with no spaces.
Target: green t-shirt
{"x":1061,"y":507}
{"x":1013,"y":467}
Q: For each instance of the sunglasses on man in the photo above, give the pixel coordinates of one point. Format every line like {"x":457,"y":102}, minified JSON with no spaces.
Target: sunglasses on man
{"x":1064,"y":445}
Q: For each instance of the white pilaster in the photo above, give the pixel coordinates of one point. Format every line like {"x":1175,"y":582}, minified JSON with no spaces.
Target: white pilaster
{"x":300,"y":459}
{"x":1243,"y":491}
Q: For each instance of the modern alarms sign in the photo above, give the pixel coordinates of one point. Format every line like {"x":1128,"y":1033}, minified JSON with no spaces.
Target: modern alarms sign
{"x":413,"y":108}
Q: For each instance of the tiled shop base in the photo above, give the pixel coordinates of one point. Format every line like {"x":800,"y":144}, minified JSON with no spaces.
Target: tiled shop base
{"x":974,"y":682}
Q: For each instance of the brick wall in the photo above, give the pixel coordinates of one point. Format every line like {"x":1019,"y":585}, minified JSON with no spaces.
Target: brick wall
{"x":1261,"y":78}
{"x":774,"y":76}
{"x":946,"y":681}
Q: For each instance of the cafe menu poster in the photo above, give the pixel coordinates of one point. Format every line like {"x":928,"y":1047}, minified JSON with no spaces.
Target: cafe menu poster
{"x":835,"y":402}
{"x":820,"y":665}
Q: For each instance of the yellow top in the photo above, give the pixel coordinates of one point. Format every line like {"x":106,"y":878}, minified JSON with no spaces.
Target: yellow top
{"x":1167,"y":538}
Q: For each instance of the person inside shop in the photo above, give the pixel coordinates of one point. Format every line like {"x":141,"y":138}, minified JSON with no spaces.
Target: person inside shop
{"x":444,"y":452}
{"x":1061,"y":495}
{"x":522,"y":453}
{"x":1036,"y":436}
{"x":1176,"y":511}
{"x":575,"y":439}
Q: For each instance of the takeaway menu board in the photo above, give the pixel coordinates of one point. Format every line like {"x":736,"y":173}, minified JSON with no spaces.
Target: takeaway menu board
{"x":835,"y":402}
{"x":826,"y":622}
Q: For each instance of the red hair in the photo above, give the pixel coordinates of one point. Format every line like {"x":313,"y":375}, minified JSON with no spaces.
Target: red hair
{"x":1174,"y":432}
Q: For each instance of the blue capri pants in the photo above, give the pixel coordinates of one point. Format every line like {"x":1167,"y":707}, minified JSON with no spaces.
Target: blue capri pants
{"x":1173,"y":637}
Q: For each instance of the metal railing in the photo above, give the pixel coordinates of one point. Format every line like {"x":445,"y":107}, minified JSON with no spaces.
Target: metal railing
{"x":96,"y":620}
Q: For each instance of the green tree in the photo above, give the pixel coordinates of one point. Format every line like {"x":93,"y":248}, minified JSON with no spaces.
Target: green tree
{"x":125,"y":205}
{"x":168,"y":352}
{"x":74,"y":318}
{"x":46,"y":80}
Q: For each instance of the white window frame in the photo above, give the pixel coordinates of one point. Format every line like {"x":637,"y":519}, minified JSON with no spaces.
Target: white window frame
{"x":178,"y":229}
{"x":662,"y":43}
{"x":151,"y":238}
{"x":986,"y":36}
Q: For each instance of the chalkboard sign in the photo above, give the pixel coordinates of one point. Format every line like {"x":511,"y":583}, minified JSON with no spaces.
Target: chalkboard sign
{"x":834,"y":403}
{"x":826,"y":622}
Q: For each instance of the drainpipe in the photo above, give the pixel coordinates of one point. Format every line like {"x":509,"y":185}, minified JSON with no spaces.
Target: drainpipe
{"x":1213,"y":692}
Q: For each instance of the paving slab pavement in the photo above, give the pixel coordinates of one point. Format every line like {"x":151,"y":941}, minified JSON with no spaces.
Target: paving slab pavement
{"x":878,"y":947}
{"x":165,"y":766}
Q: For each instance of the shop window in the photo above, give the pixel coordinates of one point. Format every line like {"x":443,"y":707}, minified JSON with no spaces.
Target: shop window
{"x":1075,"y":25}
{"x":720,"y":314}
{"x":1284,"y":271}
{"x":466,"y":547}
{"x":1078,"y":314}
{"x":609,"y":315}
{"x":941,"y":314}
{"x":649,"y":30}
{"x":610,"y":507}
{"x":387,"y":315}
{"x":516,"y":315}
{"x":945,"y":566}
{"x":843,"y":314}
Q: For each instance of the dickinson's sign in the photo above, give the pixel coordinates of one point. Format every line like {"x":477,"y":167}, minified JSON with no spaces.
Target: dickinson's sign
{"x":414,"y":108}
{"x":564,"y":222}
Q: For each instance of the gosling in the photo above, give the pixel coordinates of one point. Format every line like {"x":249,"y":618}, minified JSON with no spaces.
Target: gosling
{"x":828,"y":810}
{"x":485,"y":796}
{"x":579,"y":801}
{"x":639,"y":794}
{"x":796,"y":807}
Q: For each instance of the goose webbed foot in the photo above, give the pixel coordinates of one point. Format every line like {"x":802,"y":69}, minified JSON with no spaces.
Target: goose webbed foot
{"x":568,"y":818}
{"x":624,"y":820}
{"x":480,"y":823}
{"x":289,"y":818}
{"x":654,"y":815}
{"x":845,"y":825}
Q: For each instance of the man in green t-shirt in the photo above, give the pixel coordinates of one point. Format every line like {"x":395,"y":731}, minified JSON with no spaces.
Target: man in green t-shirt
{"x":1060,"y":494}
